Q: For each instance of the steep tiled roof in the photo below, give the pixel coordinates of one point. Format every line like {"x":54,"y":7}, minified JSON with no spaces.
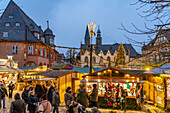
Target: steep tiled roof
{"x":113,"y":48}
{"x":18,"y":33}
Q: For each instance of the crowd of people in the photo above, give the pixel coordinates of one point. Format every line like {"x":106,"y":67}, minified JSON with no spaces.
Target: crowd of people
{"x":40,"y":99}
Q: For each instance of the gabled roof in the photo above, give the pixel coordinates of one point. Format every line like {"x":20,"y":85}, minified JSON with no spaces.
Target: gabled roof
{"x":54,"y":73}
{"x":165,"y":32}
{"x":18,"y":33}
{"x":113,"y":48}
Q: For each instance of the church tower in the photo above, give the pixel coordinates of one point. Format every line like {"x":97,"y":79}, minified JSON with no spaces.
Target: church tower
{"x":87,"y":37}
{"x":98,"y":38}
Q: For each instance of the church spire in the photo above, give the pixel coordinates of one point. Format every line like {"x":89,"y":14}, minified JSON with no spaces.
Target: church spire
{"x":98,"y":38}
{"x":98,"y":31}
{"x":87,"y":35}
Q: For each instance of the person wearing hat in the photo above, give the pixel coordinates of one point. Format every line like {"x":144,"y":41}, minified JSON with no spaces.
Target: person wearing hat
{"x":94,"y":110}
{"x":68,"y":97}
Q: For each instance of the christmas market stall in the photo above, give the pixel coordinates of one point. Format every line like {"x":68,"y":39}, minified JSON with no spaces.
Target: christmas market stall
{"x":157,"y":86}
{"x":63,"y":79}
{"x":9,"y":71}
{"x":110,"y":81}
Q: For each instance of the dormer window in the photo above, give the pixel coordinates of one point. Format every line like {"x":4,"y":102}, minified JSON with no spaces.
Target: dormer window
{"x":43,"y":40}
{"x":5,"y":34}
{"x":17,"y":24}
{"x":51,"y":41}
{"x":11,"y":16}
{"x":37,"y":35}
{"x":7,"y":24}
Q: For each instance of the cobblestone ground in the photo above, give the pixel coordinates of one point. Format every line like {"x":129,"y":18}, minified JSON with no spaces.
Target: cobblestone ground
{"x":62,"y":109}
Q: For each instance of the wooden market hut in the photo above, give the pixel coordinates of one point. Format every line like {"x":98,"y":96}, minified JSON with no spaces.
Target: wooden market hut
{"x":64,"y":78}
{"x":157,"y":86}
{"x":112,"y":75}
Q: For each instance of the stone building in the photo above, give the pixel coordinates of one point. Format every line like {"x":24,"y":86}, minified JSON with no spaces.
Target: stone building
{"x":27,"y":42}
{"x":103,"y":54}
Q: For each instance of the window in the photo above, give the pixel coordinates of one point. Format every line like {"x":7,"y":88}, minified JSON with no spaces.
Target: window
{"x":7,"y":24}
{"x":17,"y":24}
{"x":43,"y":40}
{"x":101,"y":60}
{"x":40,"y":51}
{"x":5,"y":34}
{"x":86,"y":59}
{"x":37,"y":35}
{"x":35,"y":50}
{"x":108,"y":58}
{"x":11,"y":16}
{"x":30,"y":50}
{"x":51,"y":41}
{"x":45,"y":53}
{"x":15,"y":49}
{"x":94,"y":60}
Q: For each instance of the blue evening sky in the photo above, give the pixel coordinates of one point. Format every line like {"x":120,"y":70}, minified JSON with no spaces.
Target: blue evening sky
{"x":68,"y":18}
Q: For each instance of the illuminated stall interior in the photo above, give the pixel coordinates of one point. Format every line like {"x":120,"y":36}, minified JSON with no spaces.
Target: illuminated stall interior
{"x":157,"y":86}
{"x":9,"y":70}
{"x":111,"y":76}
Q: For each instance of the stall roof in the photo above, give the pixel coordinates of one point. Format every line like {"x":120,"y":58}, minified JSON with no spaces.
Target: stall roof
{"x":138,"y":72}
{"x":63,"y":66}
{"x":165,"y":69}
{"x":87,"y":69}
{"x":4,"y":69}
{"x":54,"y":73}
{"x":29,"y":67}
{"x":120,"y":70}
{"x":40,"y":79}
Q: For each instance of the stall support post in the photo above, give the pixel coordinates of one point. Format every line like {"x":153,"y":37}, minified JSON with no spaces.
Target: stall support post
{"x":165,"y":93}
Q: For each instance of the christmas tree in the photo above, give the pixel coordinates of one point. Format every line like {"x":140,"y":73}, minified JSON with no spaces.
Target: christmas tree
{"x":121,"y":56}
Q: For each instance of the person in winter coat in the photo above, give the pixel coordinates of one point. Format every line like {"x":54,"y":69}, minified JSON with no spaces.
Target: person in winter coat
{"x":17,"y":106}
{"x":4,"y":92}
{"x":83,"y":97}
{"x":94,"y":110}
{"x":25,"y":94}
{"x":68,"y":97}
{"x":56,"y":101}
{"x":32,"y":100}
{"x":39,"y":91}
{"x":11,"y":88}
{"x":50,"y":93}
{"x":1,"y":92}
{"x":45,"y":106}
{"x":94,"y":96}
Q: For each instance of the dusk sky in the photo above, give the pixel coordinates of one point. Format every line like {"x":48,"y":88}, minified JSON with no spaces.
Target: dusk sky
{"x":68,"y":18}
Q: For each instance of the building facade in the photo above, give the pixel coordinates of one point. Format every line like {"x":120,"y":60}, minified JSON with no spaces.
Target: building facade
{"x":104,"y":54}
{"x":158,"y":50}
{"x":27,"y":42}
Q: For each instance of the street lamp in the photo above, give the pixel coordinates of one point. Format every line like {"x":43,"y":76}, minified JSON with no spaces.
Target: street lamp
{"x":91,"y":27}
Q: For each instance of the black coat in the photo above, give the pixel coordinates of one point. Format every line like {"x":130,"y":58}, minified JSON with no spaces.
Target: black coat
{"x":4,"y":92}
{"x":39,"y":90}
{"x":50,"y":93}
{"x":25,"y":95}
{"x":31,"y":100}
{"x":11,"y":87}
{"x":17,"y":106}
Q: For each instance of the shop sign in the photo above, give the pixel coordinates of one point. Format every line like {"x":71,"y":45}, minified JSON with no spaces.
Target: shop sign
{"x":159,"y":88}
{"x":168,"y":89}
{"x":159,"y":100}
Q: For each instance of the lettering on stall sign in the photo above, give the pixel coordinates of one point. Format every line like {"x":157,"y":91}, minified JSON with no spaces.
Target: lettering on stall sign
{"x":168,"y":89}
{"x":159,"y":100}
